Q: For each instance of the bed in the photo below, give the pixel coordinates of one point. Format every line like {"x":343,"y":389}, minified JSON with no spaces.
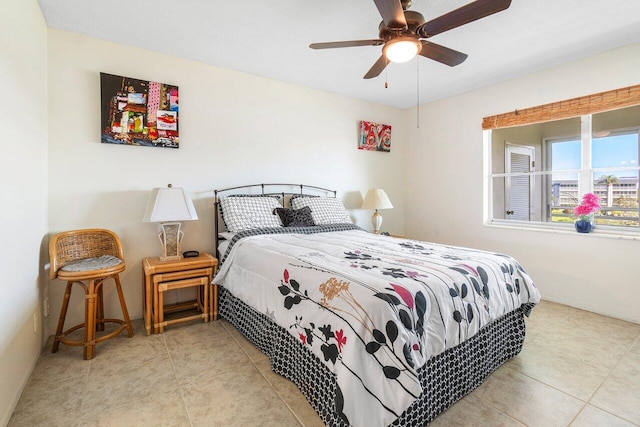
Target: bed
{"x":374,"y":330}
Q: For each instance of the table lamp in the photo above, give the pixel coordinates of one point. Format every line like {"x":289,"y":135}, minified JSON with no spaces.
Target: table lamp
{"x":376,"y":199}
{"x":169,"y":206}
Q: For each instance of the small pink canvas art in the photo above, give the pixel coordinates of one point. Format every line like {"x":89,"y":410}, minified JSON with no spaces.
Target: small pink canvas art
{"x":374,"y":137}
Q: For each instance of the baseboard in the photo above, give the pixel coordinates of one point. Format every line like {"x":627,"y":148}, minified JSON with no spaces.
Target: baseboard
{"x":618,"y":314}
{"x":12,"y":407}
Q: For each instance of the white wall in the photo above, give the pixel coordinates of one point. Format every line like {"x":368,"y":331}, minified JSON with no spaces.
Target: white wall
{"x":235,"y":129}
{"x":445,"y":185}
{"x":23,"y":173}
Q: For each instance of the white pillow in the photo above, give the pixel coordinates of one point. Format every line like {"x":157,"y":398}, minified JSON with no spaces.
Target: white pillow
{"x":246,"y":213}
{"x":324,"y":210}
{"x":226,"y":235}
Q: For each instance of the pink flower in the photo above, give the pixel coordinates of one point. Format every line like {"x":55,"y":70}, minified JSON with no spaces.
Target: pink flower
{"x":286,"y":276}
{"x":590,"y":204}
{"x":303,"y":338}
{"x":591,"y":200}
{"x":582,"y":210}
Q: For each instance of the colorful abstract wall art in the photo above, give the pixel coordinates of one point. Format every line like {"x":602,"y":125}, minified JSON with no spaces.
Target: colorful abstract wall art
{"x":374,"y":137}
{"x":138,"y":112}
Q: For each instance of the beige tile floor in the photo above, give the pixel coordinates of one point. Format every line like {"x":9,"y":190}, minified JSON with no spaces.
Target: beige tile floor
{"x":577,"y":368}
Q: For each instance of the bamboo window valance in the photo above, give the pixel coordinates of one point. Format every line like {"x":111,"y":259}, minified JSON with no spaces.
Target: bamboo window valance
{"x":596,"y":103}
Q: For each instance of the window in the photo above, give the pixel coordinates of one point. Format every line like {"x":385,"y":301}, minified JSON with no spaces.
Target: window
{"x":537,"y":173}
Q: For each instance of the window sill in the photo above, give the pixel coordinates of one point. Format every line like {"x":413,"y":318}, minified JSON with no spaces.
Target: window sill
{"x":598,"y":231}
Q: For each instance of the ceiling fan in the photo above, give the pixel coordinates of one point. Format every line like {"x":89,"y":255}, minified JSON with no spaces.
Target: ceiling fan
{"x":402,"y":32}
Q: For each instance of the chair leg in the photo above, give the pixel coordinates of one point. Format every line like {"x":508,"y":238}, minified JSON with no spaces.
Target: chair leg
{"x":125,"y":312}
{"x":63,"y":315}
{"x":90,"y":322}
{"x":100,"y":309}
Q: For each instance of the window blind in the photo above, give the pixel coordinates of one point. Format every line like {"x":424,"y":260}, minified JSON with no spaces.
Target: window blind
{"x":603,"y":101}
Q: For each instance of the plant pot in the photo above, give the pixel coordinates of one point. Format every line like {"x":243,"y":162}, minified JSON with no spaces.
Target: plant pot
{"x":583,"y":226}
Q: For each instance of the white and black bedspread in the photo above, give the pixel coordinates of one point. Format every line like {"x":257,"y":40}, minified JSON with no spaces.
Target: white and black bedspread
{"x":373,"y":309}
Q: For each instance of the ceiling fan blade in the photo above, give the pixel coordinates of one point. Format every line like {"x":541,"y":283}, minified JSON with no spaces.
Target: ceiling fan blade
{"x":351,"y":43}
{"x":463,"y":15}
{"x":442,"y":54}
{"x":392,"y":14}
{"x":377,"y":68}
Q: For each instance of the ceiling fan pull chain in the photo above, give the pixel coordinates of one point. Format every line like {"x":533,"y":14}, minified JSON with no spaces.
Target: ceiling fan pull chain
{"x":386,"y":76}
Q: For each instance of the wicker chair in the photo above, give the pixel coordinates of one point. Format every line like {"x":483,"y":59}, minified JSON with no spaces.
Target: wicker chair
{"x":88,"y":257}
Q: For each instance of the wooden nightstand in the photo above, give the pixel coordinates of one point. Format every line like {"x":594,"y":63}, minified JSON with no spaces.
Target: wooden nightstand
{"x":162,"y":276}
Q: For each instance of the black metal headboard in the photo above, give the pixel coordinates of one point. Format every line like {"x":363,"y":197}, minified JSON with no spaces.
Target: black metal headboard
{"x":282,"y":190}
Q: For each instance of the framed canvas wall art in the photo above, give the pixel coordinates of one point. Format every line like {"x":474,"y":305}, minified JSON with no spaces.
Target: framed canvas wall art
{"x":139,"y":112}
{"x":374,"y":137}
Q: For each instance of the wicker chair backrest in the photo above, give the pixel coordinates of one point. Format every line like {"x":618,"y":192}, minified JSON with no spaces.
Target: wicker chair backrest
{"x":74,"y":245}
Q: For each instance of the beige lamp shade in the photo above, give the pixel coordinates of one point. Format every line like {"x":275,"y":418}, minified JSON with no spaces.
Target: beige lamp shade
{"x":170,"y":206}
{"x":376,"y":199}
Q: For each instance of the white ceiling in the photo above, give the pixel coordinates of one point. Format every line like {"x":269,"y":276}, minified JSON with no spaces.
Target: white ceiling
{"x":271,"y":39}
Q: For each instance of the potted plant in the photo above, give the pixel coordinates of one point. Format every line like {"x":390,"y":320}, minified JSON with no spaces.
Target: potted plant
{"x":584,"y":213}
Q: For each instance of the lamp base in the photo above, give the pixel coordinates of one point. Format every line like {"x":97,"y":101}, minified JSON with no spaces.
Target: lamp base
{"x":376,"y":221}
{"x":170,"y":239}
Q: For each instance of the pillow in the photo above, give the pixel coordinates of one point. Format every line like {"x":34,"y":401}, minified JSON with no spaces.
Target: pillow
{"x":246,"y":213}
{"x":226,"y":235}
{"x":297,"y":196}
{"x":295,"y":217}
{"x":324,"y":210}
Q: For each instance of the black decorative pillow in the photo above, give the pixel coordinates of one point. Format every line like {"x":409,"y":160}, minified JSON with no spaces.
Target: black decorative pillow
{"x":295,"y":217}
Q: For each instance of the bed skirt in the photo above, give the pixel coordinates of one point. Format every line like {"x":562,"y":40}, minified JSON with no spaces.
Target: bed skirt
{"x":445,"y":378}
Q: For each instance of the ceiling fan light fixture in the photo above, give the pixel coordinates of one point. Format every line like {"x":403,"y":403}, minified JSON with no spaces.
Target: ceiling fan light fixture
{"x":402,"y":49}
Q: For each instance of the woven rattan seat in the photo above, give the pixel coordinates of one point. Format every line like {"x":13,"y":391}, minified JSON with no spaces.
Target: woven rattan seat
{"x":88,"y":258}
{"x":97,"y":263}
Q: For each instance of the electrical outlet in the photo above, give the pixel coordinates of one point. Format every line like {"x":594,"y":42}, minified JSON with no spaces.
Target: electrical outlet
{"x":35,"y":322}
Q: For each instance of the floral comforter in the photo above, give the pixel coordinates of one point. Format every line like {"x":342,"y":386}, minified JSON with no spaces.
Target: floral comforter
{"x":372,"y":308}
